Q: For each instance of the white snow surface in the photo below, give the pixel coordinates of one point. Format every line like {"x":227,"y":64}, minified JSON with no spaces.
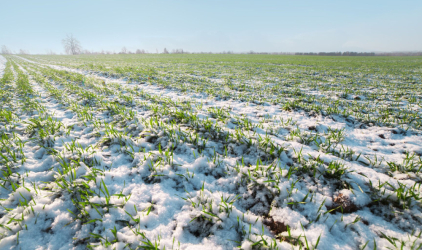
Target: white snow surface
{"x":2,"y":65}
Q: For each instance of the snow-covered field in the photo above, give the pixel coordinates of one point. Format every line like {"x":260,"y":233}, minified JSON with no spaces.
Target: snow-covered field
{"x":128,"y":153}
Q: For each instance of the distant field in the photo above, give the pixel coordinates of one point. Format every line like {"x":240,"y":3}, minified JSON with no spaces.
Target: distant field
{"x":206,"y":151}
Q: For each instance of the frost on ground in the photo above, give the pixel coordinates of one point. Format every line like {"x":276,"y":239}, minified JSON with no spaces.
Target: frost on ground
{"x":116,"y":153}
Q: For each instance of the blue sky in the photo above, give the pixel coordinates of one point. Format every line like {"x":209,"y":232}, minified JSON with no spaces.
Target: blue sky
{"x":213,"y":25}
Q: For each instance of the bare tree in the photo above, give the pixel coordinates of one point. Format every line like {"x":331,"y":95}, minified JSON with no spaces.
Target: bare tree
{"x":140,"y":51}
{"x":124,"y":50}
{"x":177,"y":51}
{"x":165,"y":51}
{"x":71,"y":45}
{"x":23,"y":52}
{"x":5,"y":50}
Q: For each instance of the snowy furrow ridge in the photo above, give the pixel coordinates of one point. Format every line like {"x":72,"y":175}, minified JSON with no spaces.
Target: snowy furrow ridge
{"x":2,"y":65}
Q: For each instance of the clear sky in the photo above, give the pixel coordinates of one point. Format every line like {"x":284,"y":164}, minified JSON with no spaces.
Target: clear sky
{"x":213,"y":25}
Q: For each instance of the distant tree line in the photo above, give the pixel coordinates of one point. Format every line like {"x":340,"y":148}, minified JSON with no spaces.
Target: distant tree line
{"x":7,"y":51}
{"x":351,"y":53}
{"x":419,"y":53}
{"x":347,"y":53}
{"x":72,"y":46}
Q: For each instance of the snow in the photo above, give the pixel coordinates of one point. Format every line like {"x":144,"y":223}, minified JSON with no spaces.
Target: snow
{"x":187,"y":203}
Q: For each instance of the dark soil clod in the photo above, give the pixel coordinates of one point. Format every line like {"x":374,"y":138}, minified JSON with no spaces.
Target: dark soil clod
{"x":275,"y":226}
{"x":343,"y":204}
